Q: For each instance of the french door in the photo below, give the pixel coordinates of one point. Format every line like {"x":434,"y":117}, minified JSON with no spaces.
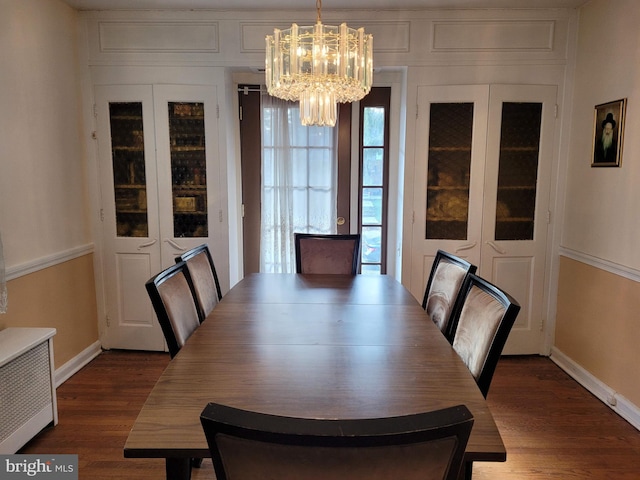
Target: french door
{"x":481,"y":191}
{"x":159,"y":181}
{"x":311,"y":164}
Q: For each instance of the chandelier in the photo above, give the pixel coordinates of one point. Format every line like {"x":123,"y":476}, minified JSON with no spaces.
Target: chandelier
{"x":319,"y":66}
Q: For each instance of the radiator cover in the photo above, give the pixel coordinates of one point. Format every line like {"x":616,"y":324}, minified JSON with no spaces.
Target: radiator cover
{"x":27,"y":388}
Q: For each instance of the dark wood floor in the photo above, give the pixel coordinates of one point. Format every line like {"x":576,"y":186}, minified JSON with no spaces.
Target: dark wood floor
{"x":552,"y":427}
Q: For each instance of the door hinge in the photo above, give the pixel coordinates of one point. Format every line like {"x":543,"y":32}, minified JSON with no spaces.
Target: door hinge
{"x":220,"y":216}
{"x":240,"y":112}
{"x":102,"y":214}
{"x":95,"y":110}
{"x":555,"y":110}
{"x":242,"y":210}
{"x":218,"y":110}
{"x":548,"y":217}
{"x":413,"y":217}
{"x":108,"y":320}
{"x":417,"y":110}
{"x":541,"y":324}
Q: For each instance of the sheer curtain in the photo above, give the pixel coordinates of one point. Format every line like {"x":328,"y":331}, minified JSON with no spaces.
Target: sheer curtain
{"x":299,"y":182}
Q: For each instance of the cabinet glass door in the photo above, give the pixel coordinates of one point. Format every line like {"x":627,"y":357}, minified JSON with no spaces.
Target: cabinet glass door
{"x":518,"y":170}
{"x":520,"y":139}
{"x":485,"y":155}
{"x":129,"y":175}
{"x":129,"y":212}
{"x":188,"y":169}
{"x":188,"y":161}
{"x":448,"y":192}
{"x":448,"y":171}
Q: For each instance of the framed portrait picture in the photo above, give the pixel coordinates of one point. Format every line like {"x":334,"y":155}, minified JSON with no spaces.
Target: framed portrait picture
{"x":608,"y":133}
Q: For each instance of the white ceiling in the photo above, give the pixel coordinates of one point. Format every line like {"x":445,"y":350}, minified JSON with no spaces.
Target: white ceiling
{"x":303,"y":4}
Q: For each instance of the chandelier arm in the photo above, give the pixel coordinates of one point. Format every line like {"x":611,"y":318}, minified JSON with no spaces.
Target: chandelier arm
{"x":319,"y":10}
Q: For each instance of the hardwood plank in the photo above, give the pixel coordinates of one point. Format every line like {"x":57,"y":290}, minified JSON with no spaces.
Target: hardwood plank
{"x":552,"y":427}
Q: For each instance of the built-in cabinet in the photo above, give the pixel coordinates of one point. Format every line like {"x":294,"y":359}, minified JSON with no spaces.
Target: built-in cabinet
{"x":160,"y":195}
{"x":481,"y":190}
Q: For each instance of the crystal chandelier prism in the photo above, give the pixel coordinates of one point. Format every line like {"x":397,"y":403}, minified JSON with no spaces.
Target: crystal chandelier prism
{"x":319,"y":66}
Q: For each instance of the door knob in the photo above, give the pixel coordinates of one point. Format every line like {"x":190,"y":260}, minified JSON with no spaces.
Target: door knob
{"x":340,"y":221}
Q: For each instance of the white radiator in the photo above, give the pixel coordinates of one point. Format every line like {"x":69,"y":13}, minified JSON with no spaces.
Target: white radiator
{"x":27,"y":387}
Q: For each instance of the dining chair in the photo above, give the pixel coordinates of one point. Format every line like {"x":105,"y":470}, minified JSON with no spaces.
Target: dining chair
{"x":481,"y":321}
{"x":204,"y":277}
{"x":318,"y":253}
{"x":426,"y":446}
{"x":443,"y":287}
{"x":173,"y":298}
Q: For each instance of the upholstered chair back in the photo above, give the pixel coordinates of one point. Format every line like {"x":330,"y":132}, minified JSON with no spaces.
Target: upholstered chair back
{"x":443,"y":287}
{"x":173,"y":299}
{"x":482,"y":319}
{"x":204,"y":277}
{"x":204,"y":283}
{"x":327,"y":254}
{"x":424,"y":446}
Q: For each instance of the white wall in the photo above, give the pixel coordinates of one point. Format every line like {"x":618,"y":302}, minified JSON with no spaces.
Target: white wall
{"x":42,"y":184}
{"x":601,"y":215}
{"x":597,"y":330}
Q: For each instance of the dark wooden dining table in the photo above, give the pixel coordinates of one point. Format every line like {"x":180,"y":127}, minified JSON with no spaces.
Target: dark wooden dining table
{"x":313,"y":346}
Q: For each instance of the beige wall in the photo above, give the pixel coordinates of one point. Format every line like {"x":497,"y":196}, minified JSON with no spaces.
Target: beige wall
{"x":44,"y":217}
{"x":597,"y":321}
{"x":62,"y":297}
{"x":43,"y":185}
{"x":598,"y":325}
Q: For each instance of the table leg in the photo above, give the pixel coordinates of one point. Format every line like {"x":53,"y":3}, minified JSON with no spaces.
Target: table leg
{"x":178,"y":468}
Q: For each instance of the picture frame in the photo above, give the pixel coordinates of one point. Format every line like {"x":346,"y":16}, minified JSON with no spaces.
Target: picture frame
{"x":608,"y":133}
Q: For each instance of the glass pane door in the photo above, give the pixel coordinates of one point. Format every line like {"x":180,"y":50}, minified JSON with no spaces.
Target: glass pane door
{"x":449,"y":170}
{"x":518,"y":170}
{"x":188,"y":169}
{"x":129,"y":175}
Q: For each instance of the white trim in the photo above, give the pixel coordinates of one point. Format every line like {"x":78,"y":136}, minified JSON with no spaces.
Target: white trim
{"x":76,"y":363}
{"x":48,"y":261}
{"x":618,"y":403}
{"x":615,"y":268}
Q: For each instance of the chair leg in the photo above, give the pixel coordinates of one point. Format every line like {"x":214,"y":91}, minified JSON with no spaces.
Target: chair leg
{"x":196,"y":462}
{"x":468,"y":470}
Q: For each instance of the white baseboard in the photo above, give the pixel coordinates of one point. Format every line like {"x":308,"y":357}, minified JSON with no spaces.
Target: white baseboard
{"x":65,"y":372}
{"x":615,"y":401}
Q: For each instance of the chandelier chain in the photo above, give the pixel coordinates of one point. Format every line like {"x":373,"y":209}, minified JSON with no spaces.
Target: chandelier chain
{"x":319,"y":10}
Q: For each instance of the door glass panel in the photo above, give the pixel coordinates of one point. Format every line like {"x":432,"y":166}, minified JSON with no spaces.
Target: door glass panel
{"x":188,"y":169}
{"x":372,"y":163}
{"x":373,"y":127}
{"x":518,"y":169}
{"x":372,"y":189}
{"x":129,"y":177}
{"x":371,"y":239}
{"x":448,"y":173}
